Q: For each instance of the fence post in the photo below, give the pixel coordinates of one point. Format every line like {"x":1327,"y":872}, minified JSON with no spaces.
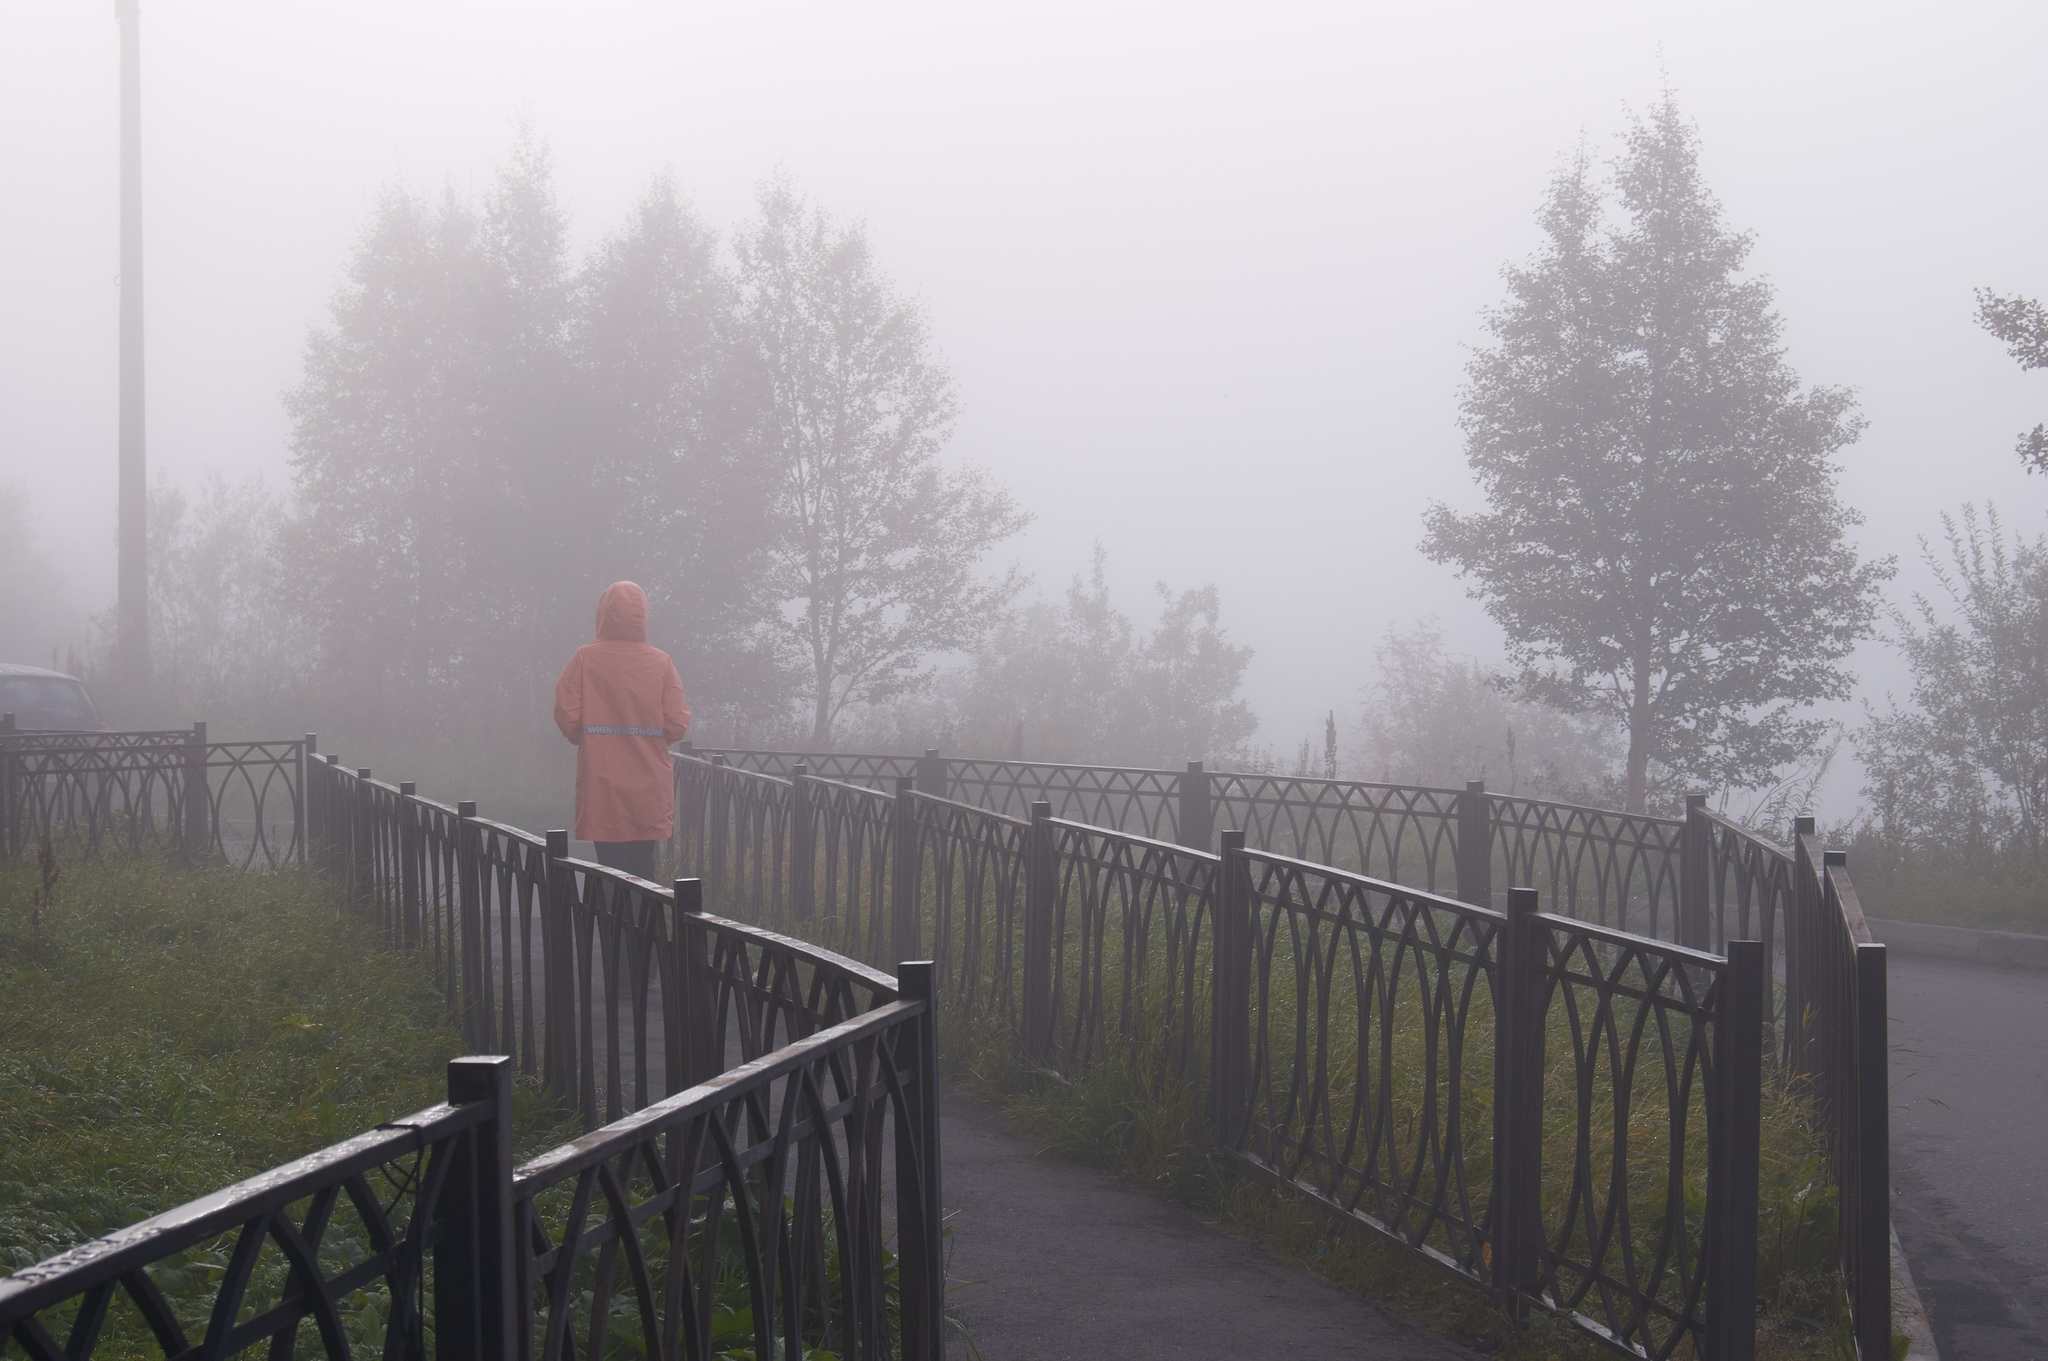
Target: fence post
{"x":918,"y":1233}
{"x":302,"y":807}
{"x":469,"y":870}
{"x":803,"y":846}
{"x":1041,"y":883}
{"x":1518,"y":1100}
{"x":1197,"y":822}
{"x":1695,"y":854}
{"x":1734,"y":1122}
{"x":198,"y":828}
{"x":1802,"y":961}
{"x":932,"y":776}
{"x":9,"y":797}
{"x":721,"y":809}
{"x":558,"y":948}
{"x":1871,"y":1302}
{"x":408,"y":865}
{"x":362,"y":847}
{"x":473,"y":1296}
{"x":1475,"y":844}
{"x":905,"y":870}
{"x":697,"y":1008}
{"x":1233,"y":944}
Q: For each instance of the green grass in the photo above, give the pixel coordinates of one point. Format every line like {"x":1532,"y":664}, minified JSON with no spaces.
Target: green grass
{"x":166,"y":1033}
{"x":1998,"y":891}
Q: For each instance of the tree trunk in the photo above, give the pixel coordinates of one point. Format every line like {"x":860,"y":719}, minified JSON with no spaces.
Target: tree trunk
{"x":821,"y":712}
{"x":1639,"y":742}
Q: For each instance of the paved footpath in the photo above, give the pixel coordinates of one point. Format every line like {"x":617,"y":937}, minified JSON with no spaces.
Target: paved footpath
{"x":1970,"y":1152}
{"x":1072,"y":1263}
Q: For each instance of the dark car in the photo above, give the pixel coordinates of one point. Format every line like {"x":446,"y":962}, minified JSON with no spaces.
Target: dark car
{"x":47,"y":701}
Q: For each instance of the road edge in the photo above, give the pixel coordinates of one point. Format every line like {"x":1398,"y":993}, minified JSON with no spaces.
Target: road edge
{"x":1964,"y":944}
{"x":1909,"y":1315}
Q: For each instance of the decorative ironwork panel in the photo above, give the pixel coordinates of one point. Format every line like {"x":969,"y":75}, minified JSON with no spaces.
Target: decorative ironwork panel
{"x":1129,"y":942}
{"x":1372,"y":1055}
{"x":1591,"y":864}
{"x":333,"y":1253}
{"x":131,"y":793}
{"x":1135,"y":801}
{"x":748,"y":1213}
{"x":1628,"y":1073}
{"x":971,"y":867}
{"x":1408,"y":835}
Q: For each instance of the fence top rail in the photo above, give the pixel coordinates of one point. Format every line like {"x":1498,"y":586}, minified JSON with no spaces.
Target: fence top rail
{"x":1586,"y":810}
{"x":511,"y":833}
{"x":566,"y":1160}
{"x":705,"y":760}
{"x":883,"y":983}
{"x":856,"y":790}
{"x":1133,"y":839}
{"x":1835,"y":877}
{"x":35,"y":1288}
{"x":974,"y":809}
{"x":1256,"y":777}
{"x":853,"y":969}
{"x":1749,"y":834}
{"x":1386,"y":886}
{"x":1628,"y":940}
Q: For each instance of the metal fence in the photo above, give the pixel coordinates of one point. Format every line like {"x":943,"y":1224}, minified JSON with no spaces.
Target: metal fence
{"x":171,"y":793}
{"x":762,"y":1095}
{"x":1350,"y":986}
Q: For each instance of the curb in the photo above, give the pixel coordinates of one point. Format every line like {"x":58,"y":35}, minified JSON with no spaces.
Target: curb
{"x":1909,"y":1315}
{"x":2008,"y":949}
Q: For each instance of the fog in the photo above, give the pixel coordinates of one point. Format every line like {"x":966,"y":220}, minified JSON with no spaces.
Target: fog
{"x":1204,"y":275}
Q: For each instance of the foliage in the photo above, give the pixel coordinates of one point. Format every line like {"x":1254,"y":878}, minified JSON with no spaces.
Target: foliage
{"x":2022,"y":323}
{"x":29,"y":584}
{"x":1966,"y":767}
{"x":1075,"y":680}
{"x":875,"y":544}
{"x":1662,"y":541}
{"x":489,"y":431}
{"x":1434,"y":718}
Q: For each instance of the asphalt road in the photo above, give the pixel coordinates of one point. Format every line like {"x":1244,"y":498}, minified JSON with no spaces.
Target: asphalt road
{"x":1067,"y":1262}
{"x":1970,"y":1152}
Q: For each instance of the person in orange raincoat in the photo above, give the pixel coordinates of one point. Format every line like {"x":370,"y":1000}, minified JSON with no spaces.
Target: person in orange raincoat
{"x":621,"y":702}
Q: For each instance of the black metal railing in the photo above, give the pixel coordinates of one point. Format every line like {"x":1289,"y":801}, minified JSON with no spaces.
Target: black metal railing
{"x":763,"y":1194}
{"x":159,"y":793}
{"x":1565,"y":1111}
{"x":762,"y":1095}
{"x":381,"y":1243}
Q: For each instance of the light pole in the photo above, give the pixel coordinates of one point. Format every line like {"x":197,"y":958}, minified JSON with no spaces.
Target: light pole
{"x":131,"y":638}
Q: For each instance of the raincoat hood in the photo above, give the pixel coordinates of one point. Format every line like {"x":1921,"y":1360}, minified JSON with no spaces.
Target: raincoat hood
{"x":622,"y":614}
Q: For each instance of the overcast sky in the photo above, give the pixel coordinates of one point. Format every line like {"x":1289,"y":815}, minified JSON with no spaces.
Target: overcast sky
{"x":1205,"y":274}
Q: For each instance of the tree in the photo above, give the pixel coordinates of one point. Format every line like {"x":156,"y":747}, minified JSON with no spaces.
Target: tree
{"x":1967,"y":766}
{"x":29,"y":585}
{"x":877,"y":546}
{"x":1662,"y":541}
{"x":1432,"y":717}
{"x":485,"y":437}
{"x":1074,"y":681}
{"x":2022,"y":323}
{"x":672,"y":480}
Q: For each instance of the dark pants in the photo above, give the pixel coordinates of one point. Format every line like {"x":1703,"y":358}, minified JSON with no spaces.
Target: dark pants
{"x":634,"y":857}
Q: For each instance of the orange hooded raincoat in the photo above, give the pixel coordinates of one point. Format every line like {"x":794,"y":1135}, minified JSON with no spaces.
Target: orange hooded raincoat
{"x":621,"y":702}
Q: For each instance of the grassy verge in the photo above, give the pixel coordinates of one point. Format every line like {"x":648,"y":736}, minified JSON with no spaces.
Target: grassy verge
{"x":1997,"y":891}
{"x":1122,"y":1114}
{"x":166,"y":1033}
